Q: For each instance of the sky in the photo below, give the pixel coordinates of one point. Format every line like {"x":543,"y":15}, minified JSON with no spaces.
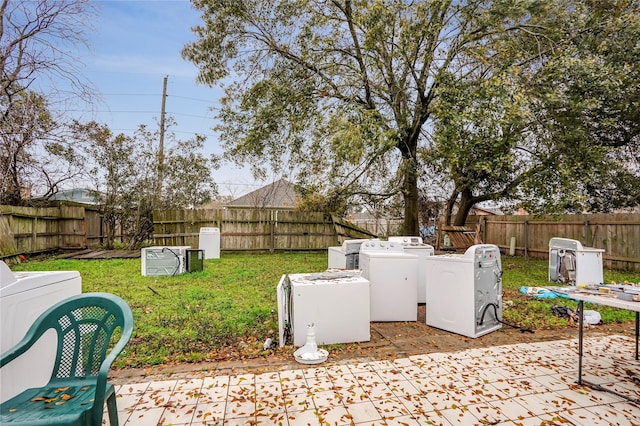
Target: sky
{"x":134,"y":44}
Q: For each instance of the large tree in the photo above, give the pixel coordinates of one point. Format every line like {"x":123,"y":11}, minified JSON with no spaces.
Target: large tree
{"x":39,"y":41}
{"x":553,"y":130}
{"x":343,"y":91}
{"x":586,"y":100}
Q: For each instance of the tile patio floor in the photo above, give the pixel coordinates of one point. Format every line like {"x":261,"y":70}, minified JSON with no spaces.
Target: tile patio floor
{"x":522,"y":384}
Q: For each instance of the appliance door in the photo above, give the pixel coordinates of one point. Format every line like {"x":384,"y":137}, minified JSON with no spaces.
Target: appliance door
{"x":450,"y":295}
{"x":337,"y":258}
{"x":554,"y":265}
{"x":339,"y":310}
{"x":394,"y":285}
{"x":283,"y":296}
{"x":421,"y":252}
{"x":588,"y":268}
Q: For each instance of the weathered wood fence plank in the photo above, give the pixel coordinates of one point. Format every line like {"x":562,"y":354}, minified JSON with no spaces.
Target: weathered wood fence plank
{"x":617,"y":234}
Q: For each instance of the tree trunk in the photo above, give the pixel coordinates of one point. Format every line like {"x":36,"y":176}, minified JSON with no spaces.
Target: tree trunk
{"x":449,"y":208}
{"x":466,"y":202}
{"x":410,"y":192}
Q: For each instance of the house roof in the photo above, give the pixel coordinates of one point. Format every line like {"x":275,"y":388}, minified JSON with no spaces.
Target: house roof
{"x":280,"y":194}
{"x":78,"y":195}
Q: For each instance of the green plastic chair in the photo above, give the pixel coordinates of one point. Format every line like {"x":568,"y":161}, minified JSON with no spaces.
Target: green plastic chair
{"x":78,"y":388}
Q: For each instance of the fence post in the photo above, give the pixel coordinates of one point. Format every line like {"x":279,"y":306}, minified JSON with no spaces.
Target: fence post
{"x":272,"y":231}
{"x":34,"y":225}
{"x":526,"y":239}
{"x":586,"y":233}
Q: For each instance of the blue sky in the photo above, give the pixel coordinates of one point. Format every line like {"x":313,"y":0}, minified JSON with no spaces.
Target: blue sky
{"x":134,"y":45}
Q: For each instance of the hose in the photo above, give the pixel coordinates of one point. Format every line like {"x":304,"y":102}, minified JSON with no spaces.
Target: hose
{"x":495,"y":314}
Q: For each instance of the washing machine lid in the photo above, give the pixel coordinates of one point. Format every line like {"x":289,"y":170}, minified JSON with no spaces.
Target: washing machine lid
{"x":338,"y":276}
{"x":449,"y":257}
{"x":564,"y":243}
{"x":27,"y":281}
{"x":352,"y":246}
{"x":6,"y":275}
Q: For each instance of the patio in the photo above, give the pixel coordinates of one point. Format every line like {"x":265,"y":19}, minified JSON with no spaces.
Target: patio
{"x":522,"y":384}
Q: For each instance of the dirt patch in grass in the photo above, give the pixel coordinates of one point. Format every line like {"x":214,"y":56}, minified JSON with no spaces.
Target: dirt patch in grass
{"x":389,"y":340}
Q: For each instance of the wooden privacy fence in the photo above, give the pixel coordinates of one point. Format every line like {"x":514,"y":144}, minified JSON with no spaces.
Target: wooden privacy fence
{"x":28,"y":230}
{"x":260,"y":230}
{"x":617,"y":234}
{"x":25,"y":230}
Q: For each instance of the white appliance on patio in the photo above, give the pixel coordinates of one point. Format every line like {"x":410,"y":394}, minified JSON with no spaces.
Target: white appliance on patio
{"x":345,"y":256}
{"x":393,"y":276}
{"x":335,"y":301}
{"x":464,"y":291}
{"x":23,"y":297}
{"x":415,"y":245}
{"x":571,"y":263}
{"x":164,"y":260}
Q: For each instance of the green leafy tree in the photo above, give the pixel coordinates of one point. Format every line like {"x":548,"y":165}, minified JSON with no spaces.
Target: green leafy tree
{"x":343,"y":91}
{"x":114,"y":169}
{"x":124,"y":170}
{"x":586,"y":100}
{"x":554,"y":127}
{"x":187,"y":180}
{"x":480,"y":143}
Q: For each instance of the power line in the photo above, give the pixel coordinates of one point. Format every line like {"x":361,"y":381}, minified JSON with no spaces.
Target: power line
{"x":192,"y":99}
{"x":130,"y":94}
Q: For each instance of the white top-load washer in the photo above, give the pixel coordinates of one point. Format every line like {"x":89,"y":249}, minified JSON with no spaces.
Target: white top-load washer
{"x":393,"y":277}
{"x":336,"y":302}
{"x":464,"y":291}
{"x":415,"y":245}
{"x":571,"y":263}
{"x":23,"y":297}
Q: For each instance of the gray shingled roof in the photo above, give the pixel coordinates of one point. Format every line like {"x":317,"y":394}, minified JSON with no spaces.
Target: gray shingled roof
{"x":280,"y":194}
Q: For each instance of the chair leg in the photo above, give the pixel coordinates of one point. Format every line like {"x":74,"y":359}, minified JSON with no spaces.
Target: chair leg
{"x":112,"y":409}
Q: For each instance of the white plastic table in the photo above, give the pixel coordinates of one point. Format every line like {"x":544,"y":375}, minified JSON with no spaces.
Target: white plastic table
{"x":605,"y":301}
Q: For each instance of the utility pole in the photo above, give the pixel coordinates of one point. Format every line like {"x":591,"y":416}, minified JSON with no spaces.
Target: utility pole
{"x":161,"y":144}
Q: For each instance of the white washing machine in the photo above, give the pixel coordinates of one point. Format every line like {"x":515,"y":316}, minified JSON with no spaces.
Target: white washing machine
{"x":571,"y":263}
{"x":345,"y":256}
{"x":23,"y":297}
{"x":335,"y":301}
{"x":415,"y":245}
{"x":464,"y":291}
{"x":393,"y":276}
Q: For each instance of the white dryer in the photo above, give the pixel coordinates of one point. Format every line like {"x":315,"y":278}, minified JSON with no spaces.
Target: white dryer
{"x":23,"y":297}
{"x":464,"y":291}
{"x":335,"y":301}
{"x":345,"y":256}
{"x":571,"y":263}
{"x":393,"y":276}
{"x":415,"y":245}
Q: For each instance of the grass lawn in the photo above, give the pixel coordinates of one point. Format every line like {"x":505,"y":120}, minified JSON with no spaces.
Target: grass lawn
{"x":231,"y":305}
